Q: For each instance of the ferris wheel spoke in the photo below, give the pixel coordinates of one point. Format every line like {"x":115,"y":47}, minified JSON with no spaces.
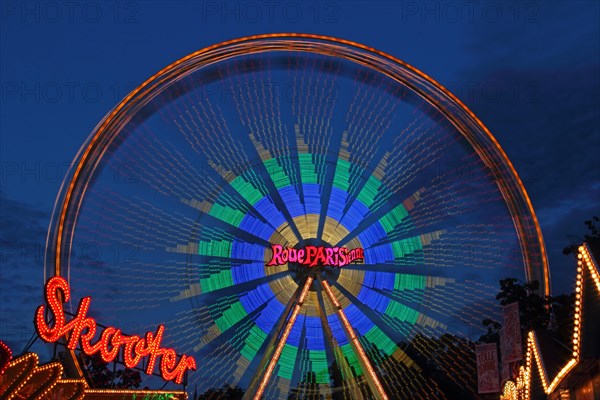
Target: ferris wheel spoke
{"x":278,"y":201}
{"x":195,"y":290}
{"x":382,"y":323}
{"x":334,"y":353}
{"x":256,"y":145}
{"x":323,"y":143}
{"x":236,"y":231}
{"x":365,"y":181}
{"x":394,"y":212}
{"x":418,"y":141}
{"x":372,"y":379}
{"x":408,"y":268}
{"x":330,"y":340}
{"x":267,"y":348}
{"x":281,"y":337}
{"x":212,"y":181}
{"x":327,"y":186}
{"x":368,"y":312}
{"x":410,"y":300}
{"x":361,"y":117}
{"x":256,"y":178}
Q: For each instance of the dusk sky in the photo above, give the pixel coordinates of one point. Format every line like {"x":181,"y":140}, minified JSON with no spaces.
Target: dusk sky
{"x":529,"y":70}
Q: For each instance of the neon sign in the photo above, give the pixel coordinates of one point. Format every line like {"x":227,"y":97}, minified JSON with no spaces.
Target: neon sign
{"x":82,"y":329}
{"x":314,"y":256}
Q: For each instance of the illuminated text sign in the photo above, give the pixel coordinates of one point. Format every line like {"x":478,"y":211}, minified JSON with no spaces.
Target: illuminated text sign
{"x":83,"y":329}
{"x":314,"y":256}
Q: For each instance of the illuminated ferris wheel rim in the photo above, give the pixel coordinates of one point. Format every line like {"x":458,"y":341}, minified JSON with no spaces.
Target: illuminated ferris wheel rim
{"x":72,"y":192}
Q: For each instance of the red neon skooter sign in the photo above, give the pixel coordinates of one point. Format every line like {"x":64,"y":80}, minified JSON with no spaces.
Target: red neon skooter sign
{"x":314,"y":256}
{"x":82,"y":329}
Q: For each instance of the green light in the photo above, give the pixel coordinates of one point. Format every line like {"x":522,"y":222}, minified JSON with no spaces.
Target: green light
{"x":287,"y":361}
{"x":307,"y":168}
{"x":246,"y":189}
{"x":376,"y":335}
{"x":409,"y":282}
{"x":402,"y":312}
{"x":342,"y":175}
{"x":352,"y":359}
{"x":255,"y":339}
{"x":277,"y":173}
{"x":369,"y":191}
{"x":390,"y":220}
{"x":231,"y":316}
{"x":227,"y":214}
{"x":318,"y":360}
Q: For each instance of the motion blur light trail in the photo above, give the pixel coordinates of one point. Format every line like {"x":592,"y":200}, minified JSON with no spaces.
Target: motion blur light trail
{"x":296,"y":141}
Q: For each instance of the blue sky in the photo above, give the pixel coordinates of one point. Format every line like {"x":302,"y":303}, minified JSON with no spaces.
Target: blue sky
{"x":529,"y":70}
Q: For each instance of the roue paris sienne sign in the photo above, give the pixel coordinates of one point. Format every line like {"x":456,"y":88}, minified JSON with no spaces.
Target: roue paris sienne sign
{"x":315,"y":256}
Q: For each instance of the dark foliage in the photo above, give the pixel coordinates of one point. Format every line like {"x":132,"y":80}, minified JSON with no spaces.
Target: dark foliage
{"x":592,"y":237}
{"x":227,"y":392}
{"x":104,"y":377}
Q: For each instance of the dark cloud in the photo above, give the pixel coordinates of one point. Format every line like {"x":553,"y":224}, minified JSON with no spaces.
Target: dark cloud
{"x":538,"y":90}
{"x":22,"y":241}
{"x":563,"y":225}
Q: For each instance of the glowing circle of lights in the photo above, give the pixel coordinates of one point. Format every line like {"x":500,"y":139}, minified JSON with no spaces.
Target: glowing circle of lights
{"x":170,"y":210}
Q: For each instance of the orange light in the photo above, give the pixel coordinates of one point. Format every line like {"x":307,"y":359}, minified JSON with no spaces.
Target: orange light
{"x":282,"y":341}
{"x":111,"y":340}
{"x":355,"y":342}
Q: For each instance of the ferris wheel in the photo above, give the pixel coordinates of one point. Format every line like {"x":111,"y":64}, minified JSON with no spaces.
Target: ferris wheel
{"x":225,"y":196}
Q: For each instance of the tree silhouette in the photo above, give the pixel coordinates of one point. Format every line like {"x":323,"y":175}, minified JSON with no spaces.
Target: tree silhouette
{"x":592,"y":238}
{"x":103,"y":377}
{"x":307,"y":389}
{"x":535,"y":311}
{"x":226,"y":392}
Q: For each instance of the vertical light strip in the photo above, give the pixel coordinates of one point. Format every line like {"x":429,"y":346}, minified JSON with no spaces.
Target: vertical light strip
{"x":283,"y":340}
{"x":372,"y":378}
{"x":591,"y":263}
{"x":585,"y":258}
